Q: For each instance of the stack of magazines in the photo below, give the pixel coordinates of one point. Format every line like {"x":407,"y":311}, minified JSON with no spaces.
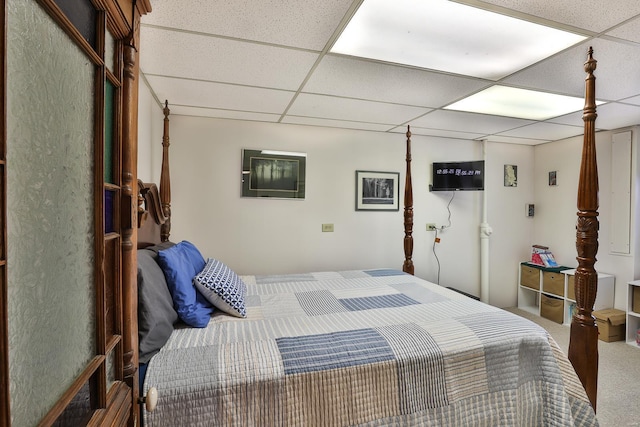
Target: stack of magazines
{"x":541,"y":255}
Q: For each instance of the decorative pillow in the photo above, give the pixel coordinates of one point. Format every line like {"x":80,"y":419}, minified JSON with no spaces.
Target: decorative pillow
{"x":180,"y":263}
{"x":156,"y":315}
{"x":222,"y":288}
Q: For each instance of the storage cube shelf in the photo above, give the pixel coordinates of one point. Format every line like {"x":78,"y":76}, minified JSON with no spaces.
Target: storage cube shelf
{"x":633,"y":312}
{"x":550,"y":293}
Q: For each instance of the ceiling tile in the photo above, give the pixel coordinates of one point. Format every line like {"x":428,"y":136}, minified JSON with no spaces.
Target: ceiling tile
{"x":610,"y":116}
{"x":221,"y":96}
{"x":467,"y":122}
{"x":305,"y":24}
{"x":549,"y":131}
{"x":181,"y":110}
{"x":514,"y":140}
{"x":329,"y":107}
{"x":356,"y":78}
{"x":594,"y":15}
{"x":635,"y":100}
{"x":334,"y":123}
{"x":565,"y":73}
{"x":223,"y":60}
{"x":629,"y":31}
{"x":438,"y":132}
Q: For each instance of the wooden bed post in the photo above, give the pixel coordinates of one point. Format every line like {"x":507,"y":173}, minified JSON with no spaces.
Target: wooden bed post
{"x":165,"y":179}
{"x":407,"y":267}
{"x":583,"y":342}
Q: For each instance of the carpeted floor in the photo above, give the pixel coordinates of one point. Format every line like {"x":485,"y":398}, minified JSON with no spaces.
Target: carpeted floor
{"x":618,"y":375}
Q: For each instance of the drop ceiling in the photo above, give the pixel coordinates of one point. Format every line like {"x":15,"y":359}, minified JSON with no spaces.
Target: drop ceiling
{"x":270,"y":61}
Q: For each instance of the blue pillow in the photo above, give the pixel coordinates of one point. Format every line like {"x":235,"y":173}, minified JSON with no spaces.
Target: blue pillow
{"x":222,"y":287}
{"x":180,"y":264}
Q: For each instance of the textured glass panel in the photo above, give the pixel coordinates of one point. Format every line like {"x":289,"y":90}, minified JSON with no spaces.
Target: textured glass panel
{"x":50,"y":219}
{"x":79,"y":411}
{"x":111,"y":369}
{"x":82,"y":15}
{"x":109,"y":92}
{"x":110,"y":51}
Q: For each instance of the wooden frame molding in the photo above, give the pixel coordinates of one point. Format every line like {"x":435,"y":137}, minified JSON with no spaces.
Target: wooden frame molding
{"x":5,"y":403}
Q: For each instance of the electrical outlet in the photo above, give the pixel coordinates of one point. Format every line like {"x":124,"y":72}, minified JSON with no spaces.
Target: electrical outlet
{"x":327,"y":228}
{"x":431,"y":227}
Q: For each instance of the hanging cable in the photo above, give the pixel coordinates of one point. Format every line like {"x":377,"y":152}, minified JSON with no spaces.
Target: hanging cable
{"x":435,"y":240}
{"x":442,"y":228}
{"x":453,"y":193}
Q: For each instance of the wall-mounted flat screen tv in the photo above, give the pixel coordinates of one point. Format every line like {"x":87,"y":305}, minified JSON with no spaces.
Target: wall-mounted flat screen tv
{"x":456,"y":176}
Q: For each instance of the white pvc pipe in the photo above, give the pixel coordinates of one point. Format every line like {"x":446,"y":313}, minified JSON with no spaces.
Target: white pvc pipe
{"x":485,"y":232}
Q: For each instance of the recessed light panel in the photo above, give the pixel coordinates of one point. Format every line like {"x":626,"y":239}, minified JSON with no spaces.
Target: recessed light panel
{"x":519,"y":103}
{"x":448,"y":36}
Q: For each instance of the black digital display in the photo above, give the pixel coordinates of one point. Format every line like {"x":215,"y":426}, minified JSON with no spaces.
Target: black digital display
{"x":456,"y":176}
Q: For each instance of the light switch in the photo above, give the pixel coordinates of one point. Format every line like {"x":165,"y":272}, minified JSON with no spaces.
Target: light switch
{"x":327,"y":228}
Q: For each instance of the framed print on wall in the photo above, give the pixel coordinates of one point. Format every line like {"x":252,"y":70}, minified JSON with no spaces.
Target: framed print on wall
{"x":274,"y":174}
{"x":377,"y":191}
{"x":510,"y":175}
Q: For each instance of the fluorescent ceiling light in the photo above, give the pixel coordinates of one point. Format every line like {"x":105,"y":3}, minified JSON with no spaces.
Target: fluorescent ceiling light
{"x":520,"y":103}
{"x":448,"y":36}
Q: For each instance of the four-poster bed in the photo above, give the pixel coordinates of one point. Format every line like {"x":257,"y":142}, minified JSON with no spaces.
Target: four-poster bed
{"x":373,"y":347}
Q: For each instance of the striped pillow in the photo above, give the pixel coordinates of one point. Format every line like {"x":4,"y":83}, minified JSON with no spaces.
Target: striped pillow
{"x":222,"y":288}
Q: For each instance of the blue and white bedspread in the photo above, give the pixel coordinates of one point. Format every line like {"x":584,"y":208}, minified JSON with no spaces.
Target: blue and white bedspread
{"x":365,"y":348}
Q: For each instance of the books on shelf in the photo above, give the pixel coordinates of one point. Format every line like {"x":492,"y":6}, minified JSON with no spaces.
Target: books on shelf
{"x":541,"y":255}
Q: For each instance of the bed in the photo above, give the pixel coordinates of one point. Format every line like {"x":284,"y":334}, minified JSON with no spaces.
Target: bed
{"x":370,"y":348}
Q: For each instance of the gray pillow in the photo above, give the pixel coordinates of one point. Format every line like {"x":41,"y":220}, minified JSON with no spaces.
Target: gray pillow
{"x":156,"y":315}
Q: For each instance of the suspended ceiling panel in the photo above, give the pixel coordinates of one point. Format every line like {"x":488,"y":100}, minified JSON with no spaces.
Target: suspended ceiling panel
{"x":270,"y":61}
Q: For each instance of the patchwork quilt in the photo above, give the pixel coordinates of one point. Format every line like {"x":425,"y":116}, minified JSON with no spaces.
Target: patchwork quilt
{"x":364,"y":348}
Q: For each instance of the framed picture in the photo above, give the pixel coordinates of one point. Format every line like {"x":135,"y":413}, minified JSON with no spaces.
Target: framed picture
{"x":377,"y":191}
{"x":510,"y":175}
{"x":275,"y":174}
{"x":553,"y":178}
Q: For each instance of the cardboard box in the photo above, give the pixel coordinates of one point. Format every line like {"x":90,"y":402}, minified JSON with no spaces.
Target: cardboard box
{"x":611,"y":324}
{"x":635,"y":306}
{"x":552,"y":308}
{"x":530,"y":276}
{"x":553,"y":283}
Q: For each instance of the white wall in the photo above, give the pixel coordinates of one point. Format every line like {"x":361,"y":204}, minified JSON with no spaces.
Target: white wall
{"x":150,"y":128}
{"x":510,"y":242}
{"x":556,"y":207}
{"x":258,"y":236}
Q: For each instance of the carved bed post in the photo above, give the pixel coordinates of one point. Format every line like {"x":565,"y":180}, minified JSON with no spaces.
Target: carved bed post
{"x":129,"y":216}
{"x":583,"y":344}
{"x":165,"y":180}
{"x":407,"y":267}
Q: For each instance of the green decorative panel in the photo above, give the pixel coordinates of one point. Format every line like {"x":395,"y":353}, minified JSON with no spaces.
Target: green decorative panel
{"x":50,"y":203}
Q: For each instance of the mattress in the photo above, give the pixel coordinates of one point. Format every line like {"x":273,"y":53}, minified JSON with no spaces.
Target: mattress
{"x":364,"y":348}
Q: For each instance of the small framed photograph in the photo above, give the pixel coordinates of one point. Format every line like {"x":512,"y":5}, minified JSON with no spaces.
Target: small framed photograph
{"x":553,"y":178}
{"x":377,"y":191}
{"x":275,"y":174}
{"x":510,"y":175}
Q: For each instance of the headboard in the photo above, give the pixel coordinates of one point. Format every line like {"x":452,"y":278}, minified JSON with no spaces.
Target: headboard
{"x":154,"y":206}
